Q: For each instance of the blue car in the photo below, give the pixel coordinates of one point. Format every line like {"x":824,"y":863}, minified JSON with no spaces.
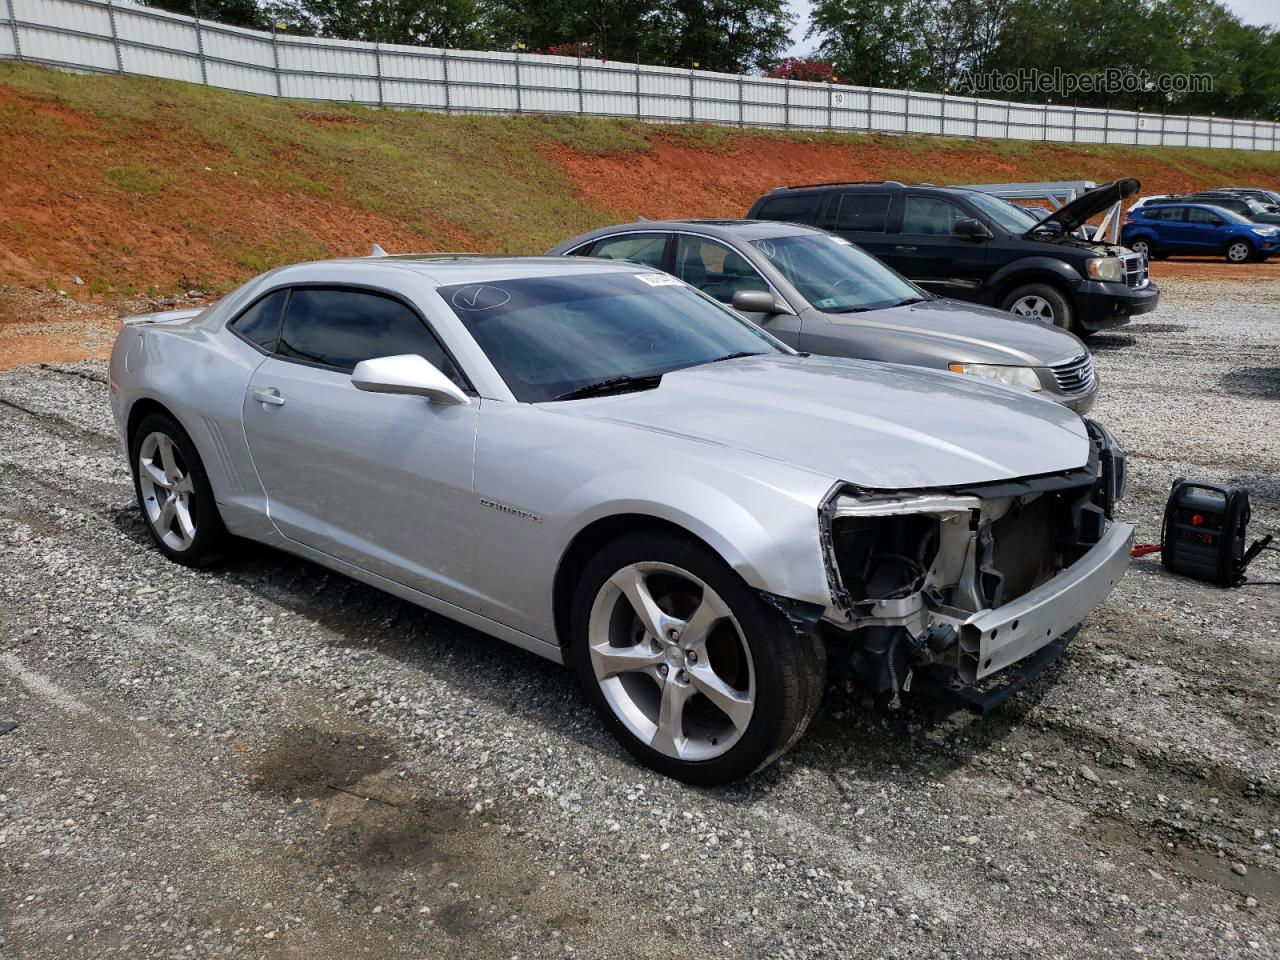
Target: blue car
{"x":1197,"y":228}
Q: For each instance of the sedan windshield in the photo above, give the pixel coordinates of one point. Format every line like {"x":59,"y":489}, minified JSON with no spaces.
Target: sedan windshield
{"x":834,"y":275}
{"x":1013,"y":219}
{"x":553,"y":336}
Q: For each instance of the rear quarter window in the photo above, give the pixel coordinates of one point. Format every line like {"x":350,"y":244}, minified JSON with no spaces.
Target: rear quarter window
{"x":862,"y":212}
{"x":800,"y":209}
{"x":260,"y":323}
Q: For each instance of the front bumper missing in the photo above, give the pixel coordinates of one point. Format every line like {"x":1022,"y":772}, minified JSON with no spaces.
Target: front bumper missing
{"x":993,"y":639}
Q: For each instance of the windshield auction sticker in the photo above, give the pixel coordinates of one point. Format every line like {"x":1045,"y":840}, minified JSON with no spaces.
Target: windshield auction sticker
{"x":659,"y":279}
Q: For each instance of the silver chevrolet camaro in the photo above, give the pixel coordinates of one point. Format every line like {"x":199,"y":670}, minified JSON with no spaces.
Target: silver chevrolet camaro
{"x":601,"y":464}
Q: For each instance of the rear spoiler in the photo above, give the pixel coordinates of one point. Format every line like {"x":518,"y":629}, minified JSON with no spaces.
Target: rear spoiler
{"x":164,"y":316}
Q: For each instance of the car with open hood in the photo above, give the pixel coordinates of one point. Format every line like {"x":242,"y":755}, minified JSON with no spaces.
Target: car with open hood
{"x":970,"y":245}
{"x":817,"y":292}
{"x":600,"y":464}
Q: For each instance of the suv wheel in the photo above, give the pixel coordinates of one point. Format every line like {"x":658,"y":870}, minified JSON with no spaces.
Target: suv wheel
{"x":1239,"y":251}
{"x":174,"y":493}
{"x":1142,"y":247}
{"x":687,"y":666}
{"x":1040,"y":301}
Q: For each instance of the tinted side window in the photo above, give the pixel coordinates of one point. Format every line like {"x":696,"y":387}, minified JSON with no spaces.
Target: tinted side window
{"x":791,"y":209}
{"x":260,"y":324}
{"x":1196,"y":215}
{"x":862,"y":211}
{"x":930,"y":216}
{"x":714,"y":268}
{"x":646,"y":248}
{"x":339,"y":328}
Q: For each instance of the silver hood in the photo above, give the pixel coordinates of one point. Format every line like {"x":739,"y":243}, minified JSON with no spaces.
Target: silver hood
{"x":875,"y":425}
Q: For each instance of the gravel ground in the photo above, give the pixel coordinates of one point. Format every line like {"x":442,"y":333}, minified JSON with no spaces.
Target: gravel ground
{"x":269,"y":760}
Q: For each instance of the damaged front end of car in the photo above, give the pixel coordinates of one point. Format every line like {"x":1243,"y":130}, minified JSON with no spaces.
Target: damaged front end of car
{"x":945,"y":589}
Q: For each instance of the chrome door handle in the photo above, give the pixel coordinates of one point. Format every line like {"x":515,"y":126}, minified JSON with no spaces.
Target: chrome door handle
{"x":271,"y":398}
{"x":901,"y":249}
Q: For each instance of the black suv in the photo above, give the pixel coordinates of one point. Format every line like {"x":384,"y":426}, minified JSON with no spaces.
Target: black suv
{"x":970,"y":245}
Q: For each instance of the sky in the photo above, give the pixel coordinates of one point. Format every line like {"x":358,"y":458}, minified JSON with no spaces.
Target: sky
{"x":1261,"y":12}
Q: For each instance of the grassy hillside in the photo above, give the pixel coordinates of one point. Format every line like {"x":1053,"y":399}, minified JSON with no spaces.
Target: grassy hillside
{"x":137,"y":185}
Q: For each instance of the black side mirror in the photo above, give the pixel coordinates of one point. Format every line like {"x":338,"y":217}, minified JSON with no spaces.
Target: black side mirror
{"x":971,"y":229}
{"x":754,"y":301}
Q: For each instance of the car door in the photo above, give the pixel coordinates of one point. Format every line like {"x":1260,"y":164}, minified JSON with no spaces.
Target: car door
{"x":648,"y":248}
{"x":381,"y":481}
{"x":1205,"y":230}
{"x":861,"y":219}
{"x":1169,"y":227}
{"x":927,"y":250}
{"x":718,"y":270}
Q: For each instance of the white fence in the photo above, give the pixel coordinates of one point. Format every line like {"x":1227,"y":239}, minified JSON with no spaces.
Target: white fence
{"x":103,"y":36}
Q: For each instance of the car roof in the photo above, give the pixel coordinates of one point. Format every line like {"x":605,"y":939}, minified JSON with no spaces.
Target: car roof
{"x":723,"y":229}
{"x":450,"y":268}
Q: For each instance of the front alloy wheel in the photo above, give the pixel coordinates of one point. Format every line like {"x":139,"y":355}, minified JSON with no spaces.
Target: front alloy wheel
{"x":1142,"y":247}
{"x":1038,"y":308}
{"x":694,"y":673}
{"x":671,"y":661}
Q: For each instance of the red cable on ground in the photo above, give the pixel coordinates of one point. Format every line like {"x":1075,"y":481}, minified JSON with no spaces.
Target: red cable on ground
{"x":1142,"y":549}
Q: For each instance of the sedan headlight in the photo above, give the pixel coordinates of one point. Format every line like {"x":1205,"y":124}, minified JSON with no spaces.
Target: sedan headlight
{"x":1024,"y":377}
{"x":1266,"y":231}
{"x":1109,"y":269}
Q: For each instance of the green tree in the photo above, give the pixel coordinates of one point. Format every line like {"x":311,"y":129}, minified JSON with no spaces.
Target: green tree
{"x":432,"y":23}
{"x":236,"y":13}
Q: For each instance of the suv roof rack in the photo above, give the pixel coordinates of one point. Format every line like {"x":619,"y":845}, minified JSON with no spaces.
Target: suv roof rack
{"x":839,"y":183}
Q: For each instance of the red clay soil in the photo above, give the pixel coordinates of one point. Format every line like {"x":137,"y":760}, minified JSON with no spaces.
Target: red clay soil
{"x":680,"y":178}
{"x":59,"y":217}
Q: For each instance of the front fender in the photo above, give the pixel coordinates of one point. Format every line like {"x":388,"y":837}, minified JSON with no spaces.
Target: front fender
{"x":1042,"y":265}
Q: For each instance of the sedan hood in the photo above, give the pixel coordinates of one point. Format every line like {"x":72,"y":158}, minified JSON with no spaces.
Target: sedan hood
{"x":875,"y":425}
{"x":957,"y":332}
{"x":1074,"y":214}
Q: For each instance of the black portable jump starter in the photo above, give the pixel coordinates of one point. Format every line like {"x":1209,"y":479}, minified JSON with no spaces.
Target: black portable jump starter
{"x":1204,"y":532}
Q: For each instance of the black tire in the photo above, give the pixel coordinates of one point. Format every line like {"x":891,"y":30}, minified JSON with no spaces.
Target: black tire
{"x":1063,"y":312}
{"x":789,"y":668}
{"x":209,"y":543}
{"x":1231,"y":252}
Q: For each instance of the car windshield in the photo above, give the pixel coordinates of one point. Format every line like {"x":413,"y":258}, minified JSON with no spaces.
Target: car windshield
{"x":1004,"y":213}
{"x":834,"y":275}
{"x":550,"y":336}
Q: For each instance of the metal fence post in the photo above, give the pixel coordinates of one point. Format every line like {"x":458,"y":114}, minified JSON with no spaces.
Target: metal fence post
{"x":976,"y":116}
{"x":1075,"y":137}
{"x":691,"y":94}
{"x":1106,"y":125}
{"x":581,"y":105}
{"x":519,"y":98}
{"x":444,"y":66}
{"x":786,"y":104}
{"x":377,"y":66}
{"x":275,"y":57}
{"x":830,"y":115}
{"x":204,"y":67}
{"x":13,"y":23}
{"x":906,"y":112}
{"x":1008,"y":112}
{"x":115,"y":35}
{"x":638,"y":113}
{"x":741,"y":103}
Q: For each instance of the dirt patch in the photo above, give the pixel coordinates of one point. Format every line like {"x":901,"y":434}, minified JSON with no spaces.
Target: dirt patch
{"x":1204,"y":268}
{"x":1252,"y":382}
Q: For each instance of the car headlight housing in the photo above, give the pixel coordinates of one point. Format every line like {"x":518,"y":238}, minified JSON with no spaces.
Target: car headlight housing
{"x":1109,"y":269}
{"x":1025,"y":378}
{"x":1266,"y":231}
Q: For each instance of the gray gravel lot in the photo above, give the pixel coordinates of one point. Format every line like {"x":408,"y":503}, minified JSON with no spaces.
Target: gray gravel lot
{"x":269,"y":760}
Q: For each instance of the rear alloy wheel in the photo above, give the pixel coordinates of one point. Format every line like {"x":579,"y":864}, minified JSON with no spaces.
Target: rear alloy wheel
{"x":687,"y":666}
{"x":1040,"y":301}
{"x":174,"y":493}
{"x":1239,"y":251}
